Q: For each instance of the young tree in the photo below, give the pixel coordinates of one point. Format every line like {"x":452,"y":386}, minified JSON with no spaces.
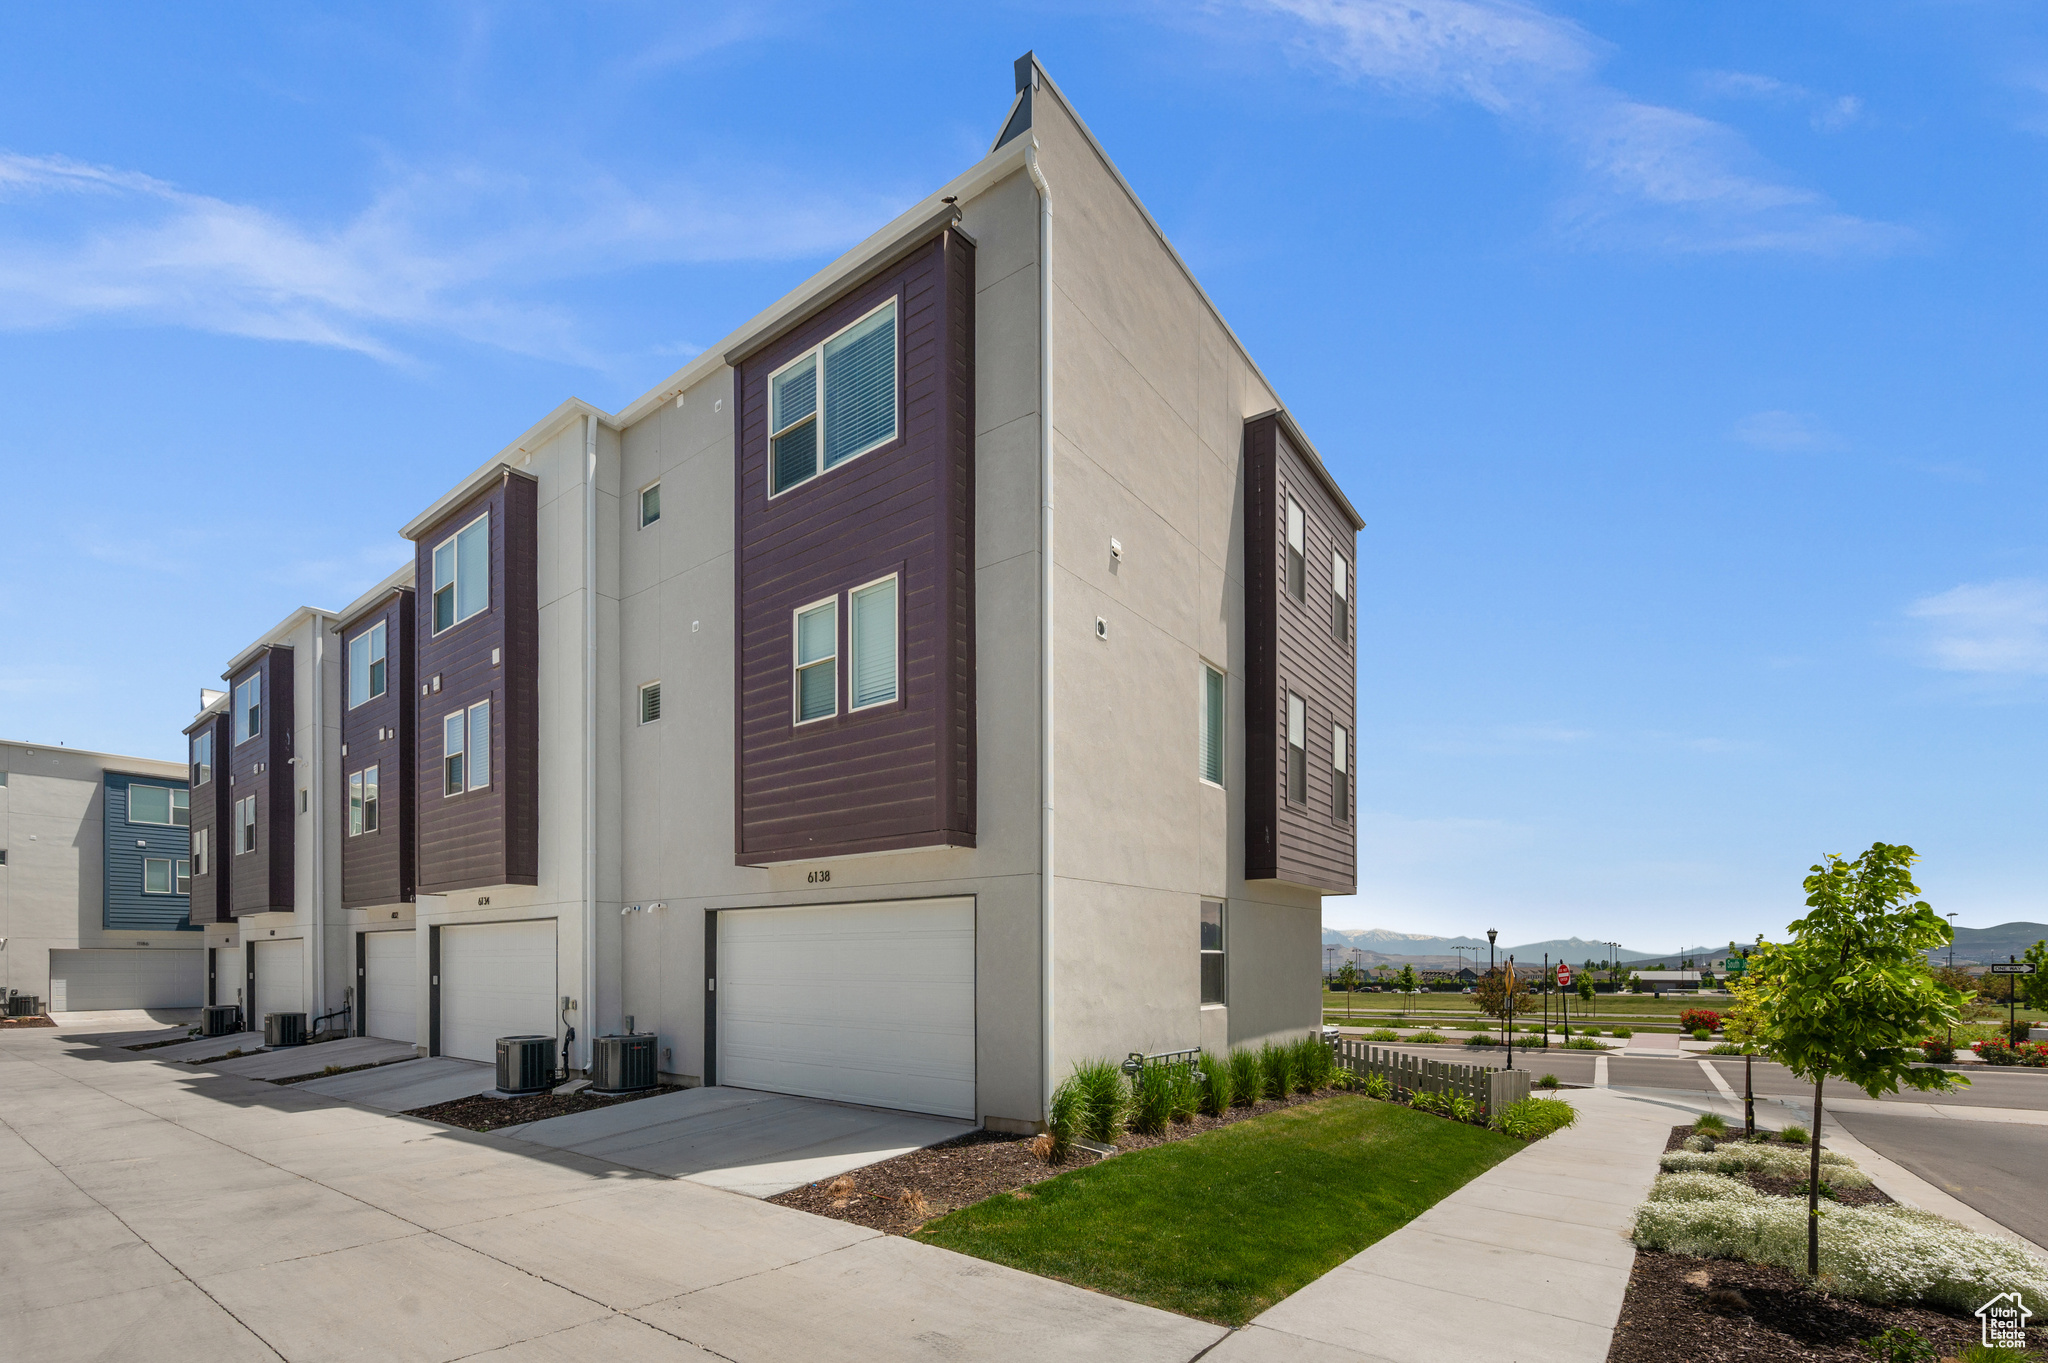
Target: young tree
{"x":1851,"y":994}
{"x":1347,"y":976}
{"x":2034,"y":987}
{"x":1493,"y":993}
{"x":1405,"y":982}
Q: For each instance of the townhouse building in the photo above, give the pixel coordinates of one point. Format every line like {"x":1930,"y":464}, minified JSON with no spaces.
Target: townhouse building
{"x":95,"y":880}
{"x":948,"y":676}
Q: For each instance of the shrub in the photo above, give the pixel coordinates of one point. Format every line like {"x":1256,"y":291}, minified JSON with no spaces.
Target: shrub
{"x":1583,"y":1043}
{"x":1589,"y":1031}
{"x":1698,"y":1142}
{"x":1462,"y":1109}
{"x":1774,"y":1160}
{"x":1534,"y":1118}
{"x":1711,"y":1124}
{"x":1478,"y":1040}
{"x":1151,"y":1099}
{"x":1548,"y":1081}
{"x":1938,"y":1050}
{"x":1624,"y":1031}
{"x":1694,"y":1019}
{"x":1247,"y":1078}
{"x":1063,"y":1118}
{"x":1104,"y":1100}
{"x":1425,"y":1037}
{"x":1897,"y":1344}
{"x":1217,"y":1089}
{"x":1799,"y":1135}
{"x":1702,"y":1034}
{"x":1725,"y":1048}
{"x":1428,"y":1100}
{"x":1376,"y":1086}
{"x":1276,"y":1066}
{"x":1383,"y":1034}
{"x":1700,"y":1186}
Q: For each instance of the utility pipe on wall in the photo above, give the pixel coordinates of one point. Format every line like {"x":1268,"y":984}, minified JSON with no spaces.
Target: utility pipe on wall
{"x":317,"y":811}
{"x":587,"y":1009}
{"x":1045,"y":595}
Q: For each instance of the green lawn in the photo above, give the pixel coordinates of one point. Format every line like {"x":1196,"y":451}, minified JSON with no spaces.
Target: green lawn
{"x":1222,"y":1225}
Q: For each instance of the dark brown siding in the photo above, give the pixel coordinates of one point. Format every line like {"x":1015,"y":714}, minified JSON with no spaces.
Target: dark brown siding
{"x":210,"y":805}
{"x":490,"y":836}
{"x":895,"y":776}
{"x":261,"y":881}
{"x":377,"y":866}
{"x":1291,"y":646}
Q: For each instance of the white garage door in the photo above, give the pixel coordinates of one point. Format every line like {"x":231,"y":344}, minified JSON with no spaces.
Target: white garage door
{"x":862,"y":1003}
{"x":388,"y":991}
{"x":227,"y":974}
{"x":128,"y":977}
{"x":497,"y":979}
{"x":280,"y":980}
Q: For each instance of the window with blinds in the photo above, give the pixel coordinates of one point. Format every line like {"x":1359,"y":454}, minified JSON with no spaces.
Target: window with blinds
{"x":817,"y":661}
{"x":833,"y":403}
{"x":1340,"y":599}
{"x":1340,"y":773}
{"x":1297,"y":749}
{"x":1214,"y":970}
{"x":462,"y":574}
{"x":1212,"y":725}
{"x":874,"y":642}
{"x":1297,"y":581}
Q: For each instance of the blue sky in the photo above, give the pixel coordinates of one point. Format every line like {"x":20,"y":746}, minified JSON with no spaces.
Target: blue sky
{"x":1686,"y":361}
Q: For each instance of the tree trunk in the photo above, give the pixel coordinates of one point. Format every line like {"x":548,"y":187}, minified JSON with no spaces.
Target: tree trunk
{"x":1813,"y":1189}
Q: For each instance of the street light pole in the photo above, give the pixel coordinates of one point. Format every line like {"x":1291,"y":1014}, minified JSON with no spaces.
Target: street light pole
{"x":1491,"y":933}
{"x":1509,"y":1009}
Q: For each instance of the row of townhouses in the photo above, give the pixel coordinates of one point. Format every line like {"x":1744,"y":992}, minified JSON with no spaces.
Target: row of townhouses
{"x":948,"y":676}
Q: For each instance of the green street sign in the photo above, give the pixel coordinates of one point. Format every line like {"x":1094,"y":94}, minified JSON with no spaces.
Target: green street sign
{"x":1734,"y":965}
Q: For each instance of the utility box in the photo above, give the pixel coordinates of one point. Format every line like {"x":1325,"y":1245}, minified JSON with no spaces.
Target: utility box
{"x":220,"y":1019}
{"x":526,"y":1064}
{"x":284,"y":1029}
{"x":623,"y":1064}
{"x":24,"y":1006}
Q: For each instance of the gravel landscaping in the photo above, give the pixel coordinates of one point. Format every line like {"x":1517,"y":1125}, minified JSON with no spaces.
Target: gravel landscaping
{"x":479,"y":1113}
{"x":7,"y":1023}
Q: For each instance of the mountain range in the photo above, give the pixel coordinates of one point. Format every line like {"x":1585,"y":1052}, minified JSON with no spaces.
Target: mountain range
{"x":1972,"y":946}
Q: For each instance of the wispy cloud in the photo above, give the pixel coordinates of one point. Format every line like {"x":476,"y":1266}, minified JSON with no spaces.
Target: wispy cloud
{"x":451,"y":252}
{"x":1825,"y":113}
{"x":1986,"y":627}
{"x":1653,"y":175}
{"x":1787,"y":433}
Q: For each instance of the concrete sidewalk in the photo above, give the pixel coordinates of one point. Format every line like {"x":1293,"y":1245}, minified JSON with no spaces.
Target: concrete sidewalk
{"x":1527,"y":1263}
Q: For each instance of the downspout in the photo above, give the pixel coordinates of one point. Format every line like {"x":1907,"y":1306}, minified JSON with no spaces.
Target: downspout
{"x":1045,"y":593}
{"x":316,"y":803}
{"x":587,"y":1010}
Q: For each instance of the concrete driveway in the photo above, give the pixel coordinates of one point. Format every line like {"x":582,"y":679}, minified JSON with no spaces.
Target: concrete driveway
{"x":411,"y":1084}
{"x":148,"y":1210}
{"x":760,"y":1144}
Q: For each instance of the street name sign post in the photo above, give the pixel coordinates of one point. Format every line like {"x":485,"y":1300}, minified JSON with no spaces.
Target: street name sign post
{"x":2012,"y":995}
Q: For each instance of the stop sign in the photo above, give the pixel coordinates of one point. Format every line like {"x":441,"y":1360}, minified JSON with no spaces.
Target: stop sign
{"x":1564,"y":976}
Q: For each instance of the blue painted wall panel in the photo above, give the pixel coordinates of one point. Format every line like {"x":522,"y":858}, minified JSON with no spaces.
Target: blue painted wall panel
{"x":127,"y":846}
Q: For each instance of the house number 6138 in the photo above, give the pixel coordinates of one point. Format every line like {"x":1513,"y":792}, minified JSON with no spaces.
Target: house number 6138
{"x":820,"y":877}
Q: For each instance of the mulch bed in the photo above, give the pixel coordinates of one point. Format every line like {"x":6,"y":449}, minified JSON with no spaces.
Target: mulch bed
{"x":478,"y":1113}
{"x":1785,"y":1185}
{"x":1727,"y":1311}
{"x":6,"y":1023}
{"x":979,"y":1165}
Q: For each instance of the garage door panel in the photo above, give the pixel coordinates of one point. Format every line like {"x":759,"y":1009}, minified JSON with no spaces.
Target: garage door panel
{"x":497,"y":979}
{"x":93,"y":978}
{"x":859,"y":1003}
{"x":390,"y":985}
{"x":280,"y":979}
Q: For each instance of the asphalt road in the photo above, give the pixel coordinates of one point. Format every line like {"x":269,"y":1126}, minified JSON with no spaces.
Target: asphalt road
{"x":1995,"y":1167}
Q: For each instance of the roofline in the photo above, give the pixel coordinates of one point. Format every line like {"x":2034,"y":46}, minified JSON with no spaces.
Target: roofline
{"x":1300,"y":441}
{"x":513,"y":454}
{"x":93,"y":752}
{"x":272,"y":638}
{"x":400,"y":580}
{"x":213,"y":711}
{"x":1293,"y":430}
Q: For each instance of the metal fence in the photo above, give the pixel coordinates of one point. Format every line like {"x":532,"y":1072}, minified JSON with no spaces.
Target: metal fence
{"x":1418,"y":1074}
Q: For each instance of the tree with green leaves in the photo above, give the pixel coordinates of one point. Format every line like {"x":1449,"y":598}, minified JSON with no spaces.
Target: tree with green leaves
{"x":1347,"y":976}
{"x":1851,"y":995}
{"x":1495,"y":992}
{"x":1405,"y":981}
{"x":2034,"y":987}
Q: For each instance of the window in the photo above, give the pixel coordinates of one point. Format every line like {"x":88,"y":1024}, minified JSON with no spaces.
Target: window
{"x":156,"y":875}
{"x":1212,"y":726}
{"x":1297,"y":749}
{"x":833,"y":403}
{"x":362,"y":802}
{"x":462,"y":574}
{"x":366,"y":666}
{"x":1340,"y":773}
{"x":184,"y":876}
{"x":650,"y":702}
{"x":202,"y":757}
{"x":1212,"y":951}
{"x":1340,"y":599}
{"x":249,"y":709}
{"x":873,"y":640}
{"x":817,"y":661}
{"x":369,"y":799}
{"x":202,"y":850}
{"x":650,"y":505}
{"x":245,"y":824}
{"x":466,"y":749}
{"x":160,"y":805}
{"x":1297,"y":585}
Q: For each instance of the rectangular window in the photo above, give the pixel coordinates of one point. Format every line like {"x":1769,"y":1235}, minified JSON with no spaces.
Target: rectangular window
{"x":149,"y":804}
{"x":245,"y":824}
{"x":369,"y":799}
{"x":1297,"y":583}
{"x":156,"y":875}
{"x":1340,"y":773}
{"x":650,"y":505}
{"x":480,"y":745}
{"x":1297,"y":749}
{"x":1212,"y":726}
{"x":454,"y":731}
{"x":650,"y":702}
{"x":817,"y":662}
{"x":202,"y":757}
{"x":355,"y":804}
{"x":366,"y":665}
{"x":462,"y":574}
{"x":202,"y":850}
{"x":1212,"y":952}
{"x":1340,"y":599}
{"x":249,"y":709}
{"x":874,"y":644}
{"x":184,"y":876}
{"x":833,"y":403}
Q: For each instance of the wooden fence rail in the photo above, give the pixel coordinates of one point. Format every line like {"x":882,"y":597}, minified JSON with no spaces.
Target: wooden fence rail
{"x":1418,"y":1074}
